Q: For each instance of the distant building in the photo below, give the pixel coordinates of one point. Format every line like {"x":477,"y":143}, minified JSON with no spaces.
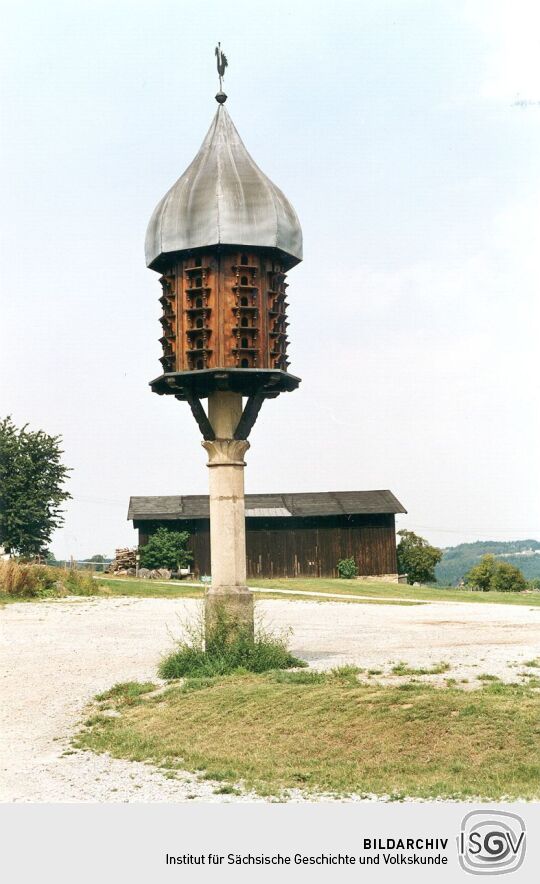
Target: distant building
{"x":288,"y":535}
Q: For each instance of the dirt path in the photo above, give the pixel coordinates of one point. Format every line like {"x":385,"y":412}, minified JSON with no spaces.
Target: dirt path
{"x":54,"y":656}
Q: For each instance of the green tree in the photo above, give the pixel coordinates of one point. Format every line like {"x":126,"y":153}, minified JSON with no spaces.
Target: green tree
{"x":416,"y":558}
{"x":481,"y":575}
{"x":489,"y":574}
{"x":166,"y":549}
{"x":32,"y":479}
{"x":508,"y":578}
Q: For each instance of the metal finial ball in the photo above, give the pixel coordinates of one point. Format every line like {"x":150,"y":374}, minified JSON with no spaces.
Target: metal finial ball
{"x":221,"y":98}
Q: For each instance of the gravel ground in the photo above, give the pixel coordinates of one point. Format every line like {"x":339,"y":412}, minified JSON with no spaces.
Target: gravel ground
{"x":55,"y":655}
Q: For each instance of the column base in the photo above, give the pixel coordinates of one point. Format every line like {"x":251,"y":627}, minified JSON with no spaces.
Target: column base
{"x":228,"y":613}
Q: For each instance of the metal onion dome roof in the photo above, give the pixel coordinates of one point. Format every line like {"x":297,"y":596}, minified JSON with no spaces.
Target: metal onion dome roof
{"x":223,"y":198}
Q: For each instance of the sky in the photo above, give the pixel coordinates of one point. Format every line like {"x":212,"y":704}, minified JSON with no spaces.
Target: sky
{"x":407,"y":136}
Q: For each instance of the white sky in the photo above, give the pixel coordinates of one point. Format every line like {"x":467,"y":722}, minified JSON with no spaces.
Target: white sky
{"x":394,"y":130}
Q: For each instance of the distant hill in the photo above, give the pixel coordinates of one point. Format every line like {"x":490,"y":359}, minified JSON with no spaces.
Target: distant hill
{"x":457,"y":560}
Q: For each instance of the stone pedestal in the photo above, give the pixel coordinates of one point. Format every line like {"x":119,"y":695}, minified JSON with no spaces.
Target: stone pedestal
{"x":228,"y":595}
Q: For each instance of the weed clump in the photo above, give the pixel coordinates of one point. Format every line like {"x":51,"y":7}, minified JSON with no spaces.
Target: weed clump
{"x":27,"y":580}
{"x":404,"y":669}
{"x":230,"y":646}
{"x":126,"y":690}
{"x":347,"y":673}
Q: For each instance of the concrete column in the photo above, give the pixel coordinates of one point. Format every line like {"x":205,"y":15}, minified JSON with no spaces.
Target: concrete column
{"x":224,"y":412}
{"x":227,"y":512}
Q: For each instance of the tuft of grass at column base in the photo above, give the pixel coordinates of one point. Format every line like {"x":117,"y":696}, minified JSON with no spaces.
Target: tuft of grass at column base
{"x":230,"y":646}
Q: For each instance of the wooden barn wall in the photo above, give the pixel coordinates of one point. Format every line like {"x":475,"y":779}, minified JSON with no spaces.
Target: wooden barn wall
{"x":294,"y":547}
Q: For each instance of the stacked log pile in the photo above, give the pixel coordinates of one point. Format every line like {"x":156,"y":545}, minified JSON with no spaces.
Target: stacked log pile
{"x":124,"y":562}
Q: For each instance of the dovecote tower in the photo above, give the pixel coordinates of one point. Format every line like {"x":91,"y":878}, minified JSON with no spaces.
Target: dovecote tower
{"x":223,"y":240}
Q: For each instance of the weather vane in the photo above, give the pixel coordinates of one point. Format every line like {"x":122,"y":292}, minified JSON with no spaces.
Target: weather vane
{"x":222,"y":63}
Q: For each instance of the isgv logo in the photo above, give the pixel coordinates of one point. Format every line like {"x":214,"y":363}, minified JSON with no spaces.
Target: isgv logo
{"x":491,"y":842}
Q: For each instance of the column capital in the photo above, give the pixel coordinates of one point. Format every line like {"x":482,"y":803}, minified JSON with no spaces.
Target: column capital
{"x":226,"y":452}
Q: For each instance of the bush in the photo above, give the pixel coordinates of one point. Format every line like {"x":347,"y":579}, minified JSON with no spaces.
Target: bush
{"x":166,"y":549}
{"x":491,"y":575}
{"x":232,"y":647}
{"x":347,"y":569}
{"x":43,"y":581}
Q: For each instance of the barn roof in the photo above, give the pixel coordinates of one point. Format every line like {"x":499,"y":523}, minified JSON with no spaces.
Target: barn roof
{"x":317,"y":503}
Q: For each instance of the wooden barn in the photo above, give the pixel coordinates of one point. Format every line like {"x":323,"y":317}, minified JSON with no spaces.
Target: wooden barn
{"x":288,"y":535}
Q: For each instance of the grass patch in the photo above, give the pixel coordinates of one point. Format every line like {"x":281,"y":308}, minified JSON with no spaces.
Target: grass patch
{"x":485,"y":676}
{"x":309,"y":677}
{"x":390,"y":591}
{"x":436,"y":669}
{"x":6,"y":599}
{"x":533,"y":663}
{"x":279,"y":731}
{"x":131,"y":586}
{"x":499,"y":687}
{"x":367,"y":593}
